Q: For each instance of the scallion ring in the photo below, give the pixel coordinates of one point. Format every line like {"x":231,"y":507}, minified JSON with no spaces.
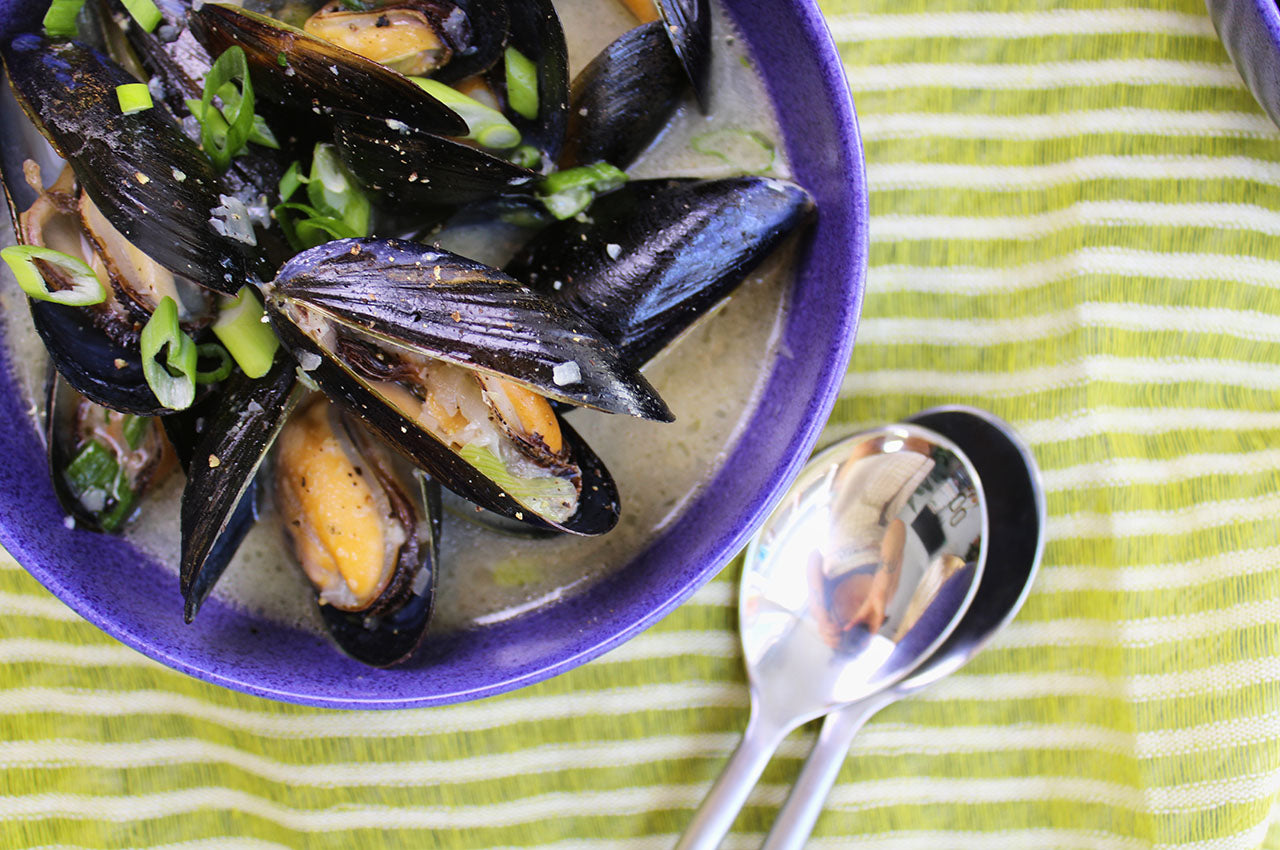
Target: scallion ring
{"x":85,"y":288}
{"x":240,"y":326}
{"x":174,"y":380}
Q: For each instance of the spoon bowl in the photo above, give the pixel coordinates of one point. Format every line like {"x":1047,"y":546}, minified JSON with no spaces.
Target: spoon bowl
{"x":1016,"y":516}
{"x":861,"y":572}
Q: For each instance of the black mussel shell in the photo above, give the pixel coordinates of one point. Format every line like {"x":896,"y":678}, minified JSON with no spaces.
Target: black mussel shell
{"x":290,"y":66}
{"x":406,"y":170}
{"x":393,"y":627}
{"x":219,"y":501}
{"x":655,"y":255}
{"x":689,"y":25}
{"x":536,"y":32}
{"x":622,"y":100}
{"x":598,"y":505}
{"x":149,"y":180}
{"x":98,"y":367}
{"x":451,"y":308}
{"x":487,"y":21}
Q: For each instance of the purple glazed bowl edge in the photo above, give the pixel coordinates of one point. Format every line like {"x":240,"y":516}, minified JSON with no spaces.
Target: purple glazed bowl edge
{"x":1250,"y":31}
{"x":136,"y":600}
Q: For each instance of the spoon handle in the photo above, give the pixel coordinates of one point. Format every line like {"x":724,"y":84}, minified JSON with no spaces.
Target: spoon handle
{"x":715,"y":816}
{"x":800,"y":812}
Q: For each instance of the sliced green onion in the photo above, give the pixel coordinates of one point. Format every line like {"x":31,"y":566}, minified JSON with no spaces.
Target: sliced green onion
{"x":550,"y":497}
{"x":526,"y":156}
{"x":208,"y":351}
{"x":488,"y":126}
{"x":333,"y":191}
{"x":174,"y":381}
{"x":60,"y":20}
{"x":133,"y":97}
{"x":522,"y":84}
{"x":291,"y":180}
{"x":569,"y":192}
{"x":259,"y":133}
{"x":96,"y":480}
{"x":240,"y":326}
{"x":145,"y":12}
{"x":85,"y":288}
{"x":134,"y":428}
{"x":222,"y":144}
{"x":747,"y":151}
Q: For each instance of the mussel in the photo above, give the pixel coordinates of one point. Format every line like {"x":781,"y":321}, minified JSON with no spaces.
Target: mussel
{"x":452,"y":363}
{"x":101,"y":462}
{"x":361,"y":529}
{"x":655,"y":255}
{"x":149,"y":180}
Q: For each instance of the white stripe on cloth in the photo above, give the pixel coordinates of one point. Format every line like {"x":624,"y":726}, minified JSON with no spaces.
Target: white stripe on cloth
{"x":1099,"y":260}
{"x":855,"y":28}
{"x":886,"y":126}
{"x":931,"y":176}
{"x":1087,"y":315}
{"x":912,"y":228}
{"x":1047,"y":76}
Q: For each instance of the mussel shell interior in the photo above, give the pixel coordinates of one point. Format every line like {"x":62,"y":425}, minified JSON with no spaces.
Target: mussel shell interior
{"x":446,"y":306}
{"x":598,"y":502}
{"x":390,"y":636}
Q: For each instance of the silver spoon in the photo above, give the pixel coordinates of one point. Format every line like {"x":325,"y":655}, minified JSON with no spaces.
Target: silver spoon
{"x":856,"y":577}
{"x":1015,"y":510}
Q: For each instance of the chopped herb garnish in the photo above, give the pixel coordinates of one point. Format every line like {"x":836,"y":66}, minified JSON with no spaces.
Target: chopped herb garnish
{"x":85,"y":288}
{"x":336,"y":208}
{"x":522,"y":84}
{"x":133,"y":97}
{"x":225,"y":133}
{"x":487,"y":126}
{"x":145,"y":12}
{"x":174,"y":380}
{"x":569,"y":192}
{"x":60,"y":20}
{"x":248,"y":338}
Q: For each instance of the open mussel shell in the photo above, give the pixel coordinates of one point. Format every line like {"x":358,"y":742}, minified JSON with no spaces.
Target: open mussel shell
{"x":450,"y":308}
{"x":655,"y":255}
{"x":219,"y":501}
{"x":149,"y":180}
{"x":100,"y":485}
{"x":290,"y":66}
{"x":623,"y":98}
{"x":396,"y":624}
{"x":536,"y":32}
{"x":688,"y":23}
{"x":407,"y":170}
{"x":598,"y":506}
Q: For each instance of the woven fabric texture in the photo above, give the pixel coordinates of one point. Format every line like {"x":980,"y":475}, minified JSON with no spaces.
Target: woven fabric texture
{"x":1074,"y":210}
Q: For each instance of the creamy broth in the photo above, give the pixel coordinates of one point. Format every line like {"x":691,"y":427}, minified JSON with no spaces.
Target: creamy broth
{"x":487,"y":576}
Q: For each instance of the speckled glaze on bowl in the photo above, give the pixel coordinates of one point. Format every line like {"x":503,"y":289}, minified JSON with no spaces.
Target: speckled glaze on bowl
{"x":136,"y":600}
{"x":1250,"y":30}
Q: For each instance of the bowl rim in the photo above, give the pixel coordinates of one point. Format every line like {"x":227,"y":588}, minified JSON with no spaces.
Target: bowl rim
{"x":30,"y":551}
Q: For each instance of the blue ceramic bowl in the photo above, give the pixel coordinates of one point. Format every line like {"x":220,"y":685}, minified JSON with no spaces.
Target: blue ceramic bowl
{"x":135,"y":599}
{"x":1250,"y":30}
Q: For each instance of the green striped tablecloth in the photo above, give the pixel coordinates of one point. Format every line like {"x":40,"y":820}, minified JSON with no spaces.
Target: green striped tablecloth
{"x":1075,"y":214}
